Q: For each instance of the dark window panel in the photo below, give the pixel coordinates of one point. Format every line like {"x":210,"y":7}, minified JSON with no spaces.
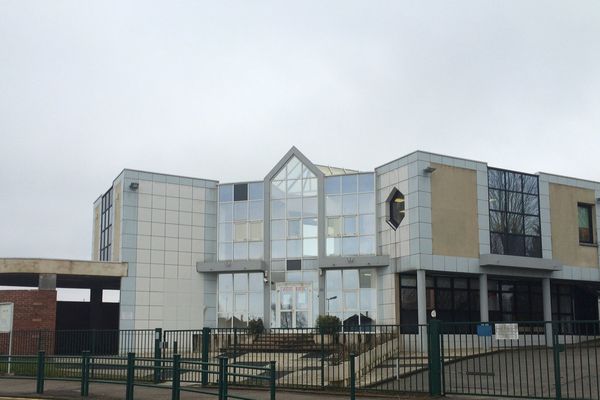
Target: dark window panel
{"x":530,"y":184}
{"x":496,"y":178}
{"x":497,"y":243}
{"x":497,"y":200}
{"x":514,"y":202}
{"x":531,"y":204}
{"x":584,"y":213}
{"x":514,"y":223}
{"x":294,"y":265}
{"x":533,"y":246}
{"x":515,"y":245}
{"x":514,"y":182}
{"x":240,"y":192}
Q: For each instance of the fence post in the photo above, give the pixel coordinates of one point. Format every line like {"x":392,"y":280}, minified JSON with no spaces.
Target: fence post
{"x":223,"y":378}
{"x":130,"y":376}
{"x":93,"y":342}
{"x":41,"y":362}
{"x":322,"y":357}
{"x":85,"y":373}
{"x":352,"y":377}
{"x":157,"y":354}
{"x":273,"y":379}
{"x":176,"y":377}
{"x":556,"y":353}
{"x":175,"y":349}
{"x":205,"y":349}
{"x":435,"y":371}
{"x":39,"y":340}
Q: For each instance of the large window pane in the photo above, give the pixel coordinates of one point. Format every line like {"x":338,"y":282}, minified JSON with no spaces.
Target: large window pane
{"x":334,"y":226}
{"x":367,"y":245}
{"x":294,"y":169}
{"x":240,"y":251}
{"x":226,"y":251}
{"x":350,"y":279}
{"x":349,"y":204}
{"x":333,"y":205}
{"x":226,"y":232}
{"x":278,"y":189}
{"x":310,"y":248}
{"x":309,"y":227}
{"x":255,"y":210}
{"x":294,"y":229}
{"x":240,"y":282}
{"x":294,"y":208}
{"x":333,"y":185}
{"x":278,"y":248}
{"x":531,"y":204}
{"x":350,"y":228}
{"x":294,"y":248}
{"x":294,"y":188}
{"x":334,"y":246}
{"x":278,"y":209}
{"x":226,"y":212}
{"x":309,"y":207}
{"x":225,"y":282}
{"x":349,"y":246}
{"x":255,"y":250}
{"x":349,"y":184}
{"x":309,"y":187}
{"x":278,"y":229}
{"x":366,"y":224}
{"x":225,"y":193}
{"x":366,"y":183}
{"x":255,"y":231}
{"x":366,"y":203}
{"x":255,"y":191}
{"x":240,"y":231}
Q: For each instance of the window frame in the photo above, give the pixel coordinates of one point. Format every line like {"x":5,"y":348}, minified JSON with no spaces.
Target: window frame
{"x":590,"y":222}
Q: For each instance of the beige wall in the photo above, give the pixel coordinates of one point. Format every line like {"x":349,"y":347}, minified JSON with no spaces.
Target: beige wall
{"x":96,"y":234}
{"x":565,"y":226}
{"x":454,"y":211}
{"x":116,"y":239}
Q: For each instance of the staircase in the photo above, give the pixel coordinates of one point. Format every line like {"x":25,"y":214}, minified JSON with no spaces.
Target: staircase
{"x":279,"y":343}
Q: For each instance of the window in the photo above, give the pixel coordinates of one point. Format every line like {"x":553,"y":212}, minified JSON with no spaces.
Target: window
{"x":514,"y":213}
{"x":294,"y":212}
{"x":395,"y":209}
{"x":351,"y":295}
{"x":455,"y":299}
{"x":240,"y":229}
{"x":240,"y":299}
{"x":350,"y":211}
{"x":106,"y":226}
{"x":584,"y":214}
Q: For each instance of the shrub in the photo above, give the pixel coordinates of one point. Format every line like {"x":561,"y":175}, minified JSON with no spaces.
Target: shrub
{"x":328,"y":324}
{"x":256,"y":326}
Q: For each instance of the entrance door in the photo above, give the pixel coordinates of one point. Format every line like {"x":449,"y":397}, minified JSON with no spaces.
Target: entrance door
{"x":294,"y":305}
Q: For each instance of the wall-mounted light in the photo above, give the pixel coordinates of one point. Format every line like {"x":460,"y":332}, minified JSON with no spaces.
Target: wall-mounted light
{"x":134,"y":185}
{"x":429,"y":170}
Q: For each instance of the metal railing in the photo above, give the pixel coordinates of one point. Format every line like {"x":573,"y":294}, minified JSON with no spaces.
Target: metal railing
{"x":133,"y":371}
{"x":559,"y":359}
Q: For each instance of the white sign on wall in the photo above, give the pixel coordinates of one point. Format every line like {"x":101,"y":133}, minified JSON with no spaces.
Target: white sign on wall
{"x":6,"y":317}
{"x":507,"y":331}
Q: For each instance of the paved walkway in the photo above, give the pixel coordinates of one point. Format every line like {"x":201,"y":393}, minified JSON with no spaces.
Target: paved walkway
{"x":25,"y":388}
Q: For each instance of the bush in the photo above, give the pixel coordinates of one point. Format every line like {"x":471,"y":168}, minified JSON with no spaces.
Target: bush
{"x":256,"y":326}
{"x":328,"y":324}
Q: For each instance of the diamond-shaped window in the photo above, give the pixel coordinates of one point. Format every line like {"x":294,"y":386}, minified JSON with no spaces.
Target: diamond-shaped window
{"x":395,"y":209}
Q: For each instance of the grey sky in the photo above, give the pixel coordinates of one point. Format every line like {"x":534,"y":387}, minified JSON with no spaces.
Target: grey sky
{"x":223,"y":89}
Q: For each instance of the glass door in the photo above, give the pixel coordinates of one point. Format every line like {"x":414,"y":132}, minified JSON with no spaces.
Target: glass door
{"x":293,"y":305}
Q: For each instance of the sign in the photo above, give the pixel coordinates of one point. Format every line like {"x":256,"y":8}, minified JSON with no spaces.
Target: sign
{"x":507,"y":331}
{"x":484,"y":330}
{"x":6,"y":317}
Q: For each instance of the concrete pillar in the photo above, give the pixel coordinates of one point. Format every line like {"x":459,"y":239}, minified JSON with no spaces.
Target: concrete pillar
{"x":421,"y":297}
{"x":547,"y":303}
{"x":96,"y":319}
{"x":484,"y":313}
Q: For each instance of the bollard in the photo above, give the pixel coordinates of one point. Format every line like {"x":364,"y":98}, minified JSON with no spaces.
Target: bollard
{"x":130,"y":376}
{"x":352,"y":377}
{"x":273,"y":378}
{"x":85,"y":373}
{"x":41,"y":363}
{"x":176,"y":386}
{"x":205,"y":349}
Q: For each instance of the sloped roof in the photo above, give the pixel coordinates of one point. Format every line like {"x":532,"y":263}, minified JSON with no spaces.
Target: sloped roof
{"x":330,"y":171}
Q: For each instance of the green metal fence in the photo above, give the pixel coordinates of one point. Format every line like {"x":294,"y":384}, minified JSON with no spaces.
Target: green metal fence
{"x":559,"y":359}
{"x":133,"y":372}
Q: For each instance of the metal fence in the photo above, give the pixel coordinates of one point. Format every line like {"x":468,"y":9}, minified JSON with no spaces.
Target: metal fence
{"x":546,"y":360}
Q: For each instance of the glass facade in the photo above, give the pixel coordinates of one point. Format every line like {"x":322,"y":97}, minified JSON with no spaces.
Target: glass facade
{"x":240,"y":232}
{"x":351,"y":295}
{"x":514,"y":213}
{"x":515,"y":300}
{"x":454,"y":298}
{"x":294,"y":213}
{"x":240,"y":299}
{"x":350,"y":212}
{"x":106,"y":226}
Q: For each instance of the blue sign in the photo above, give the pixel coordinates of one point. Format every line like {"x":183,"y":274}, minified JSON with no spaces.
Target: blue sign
{"x":484,"y":330}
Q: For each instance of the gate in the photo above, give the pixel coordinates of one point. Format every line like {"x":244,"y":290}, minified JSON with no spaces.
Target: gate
{"x":559,"y":360}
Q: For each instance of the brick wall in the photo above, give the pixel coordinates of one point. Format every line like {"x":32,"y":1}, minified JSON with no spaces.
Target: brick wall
{"x":34,"y":311}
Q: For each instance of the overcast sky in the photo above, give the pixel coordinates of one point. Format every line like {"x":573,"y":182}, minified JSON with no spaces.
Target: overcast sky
{"x":222,"y":89}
